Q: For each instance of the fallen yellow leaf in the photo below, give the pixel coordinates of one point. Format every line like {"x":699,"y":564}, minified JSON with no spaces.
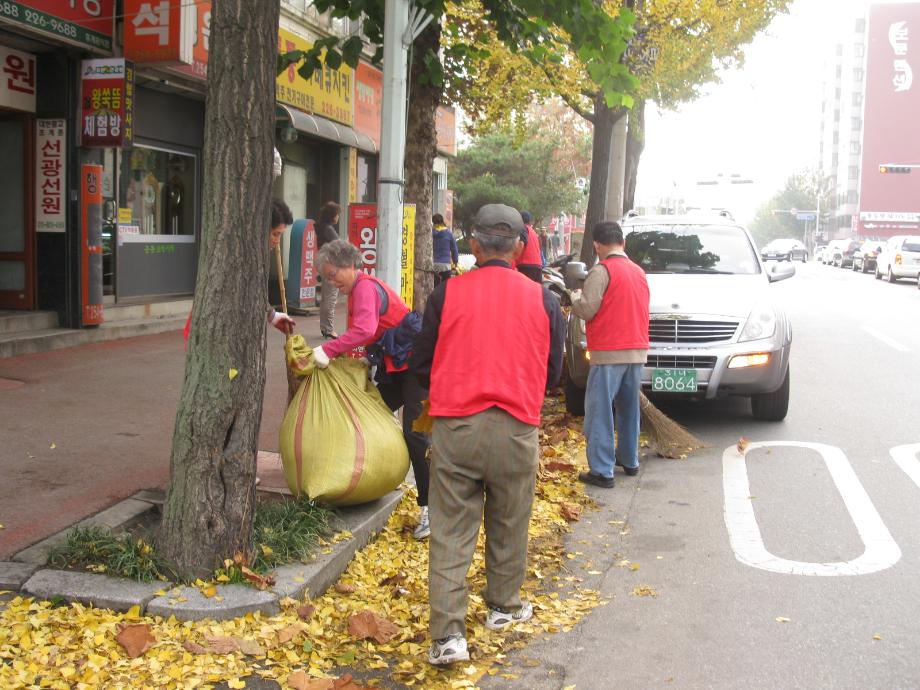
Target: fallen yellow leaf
{"x":233,"y":374}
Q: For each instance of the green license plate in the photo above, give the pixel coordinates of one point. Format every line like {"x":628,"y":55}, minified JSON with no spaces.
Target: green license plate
{"x":674,"y":380}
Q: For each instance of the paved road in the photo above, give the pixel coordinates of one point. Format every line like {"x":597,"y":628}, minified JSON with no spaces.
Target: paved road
{"x":855,"y":359}
{"x":84,"y":427}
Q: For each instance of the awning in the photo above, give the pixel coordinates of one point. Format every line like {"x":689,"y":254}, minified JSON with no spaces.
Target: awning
{"x":324,"y":129}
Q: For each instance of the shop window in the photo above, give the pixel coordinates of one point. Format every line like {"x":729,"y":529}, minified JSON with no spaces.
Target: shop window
{"x":158,"y":191}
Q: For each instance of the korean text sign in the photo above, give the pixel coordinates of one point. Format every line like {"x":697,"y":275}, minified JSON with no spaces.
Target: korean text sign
{"x":160,"y":31}
{"x":17,"y":79}
{"x":362,"y":233}
{"x":85,"y":23}
{"x":107,"y":103}
{"x":329,"y":93}
{"x":50,"y":167}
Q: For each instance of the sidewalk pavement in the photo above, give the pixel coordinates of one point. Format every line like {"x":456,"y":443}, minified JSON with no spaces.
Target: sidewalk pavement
{"x":85,"y":427}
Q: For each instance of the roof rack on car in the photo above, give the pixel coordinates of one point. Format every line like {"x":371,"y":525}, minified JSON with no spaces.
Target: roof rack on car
{"x":724,"y":213}
{"x":632,"y":213}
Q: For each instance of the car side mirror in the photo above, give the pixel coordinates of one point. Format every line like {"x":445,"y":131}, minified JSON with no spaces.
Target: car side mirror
{"x":780,"y":271}
{"x":575,"y":273}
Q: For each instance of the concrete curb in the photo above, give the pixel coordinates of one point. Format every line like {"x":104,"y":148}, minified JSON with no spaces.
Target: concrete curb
{"x":188,"y":603}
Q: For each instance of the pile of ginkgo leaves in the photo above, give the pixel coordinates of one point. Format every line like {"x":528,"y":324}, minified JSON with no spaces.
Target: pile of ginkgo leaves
{"x":373,"y":621}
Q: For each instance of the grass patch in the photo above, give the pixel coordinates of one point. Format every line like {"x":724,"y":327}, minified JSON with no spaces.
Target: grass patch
{"x":283,"y":532}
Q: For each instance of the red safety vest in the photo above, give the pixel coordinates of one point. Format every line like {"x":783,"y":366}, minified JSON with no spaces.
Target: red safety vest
{"x":492,"y":348}
{"x":395,"y":311}
{"x":531,"y":255}
{"x":622,"y":321}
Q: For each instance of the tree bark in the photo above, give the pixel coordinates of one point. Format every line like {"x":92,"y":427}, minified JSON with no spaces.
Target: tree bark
{"x":604,"y":119}
{"x":421,"y":150}
{"x":211,"y":496}
{"x":635,"y":144}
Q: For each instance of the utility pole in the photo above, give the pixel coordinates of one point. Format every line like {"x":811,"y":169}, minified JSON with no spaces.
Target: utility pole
{"x":392,"y":143}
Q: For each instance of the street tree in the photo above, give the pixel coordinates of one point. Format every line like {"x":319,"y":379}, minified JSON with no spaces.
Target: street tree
{"x":542,"y":30}
{"x":211,"y":496}
{"x":526,"y":174}
{"x":804,"y":191}
{"x":676,"y":50}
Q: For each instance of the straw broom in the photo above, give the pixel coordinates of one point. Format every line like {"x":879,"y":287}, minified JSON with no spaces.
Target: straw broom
{"x":670,"y":438}
{"x":292,"y":380}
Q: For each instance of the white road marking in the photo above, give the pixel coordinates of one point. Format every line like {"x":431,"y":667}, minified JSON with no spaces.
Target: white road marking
{"x":908,"y":459}
{"x":891,"y":342}
{"x":881,"y":550}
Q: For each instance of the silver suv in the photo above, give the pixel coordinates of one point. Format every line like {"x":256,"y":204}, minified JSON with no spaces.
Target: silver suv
{"x":714,"y":330}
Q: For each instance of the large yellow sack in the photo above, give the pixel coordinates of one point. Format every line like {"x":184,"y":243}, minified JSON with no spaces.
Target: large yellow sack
{"x":340,"y":444}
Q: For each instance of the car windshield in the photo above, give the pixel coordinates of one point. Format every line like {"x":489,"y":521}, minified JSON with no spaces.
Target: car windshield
{"x":691,"y":249}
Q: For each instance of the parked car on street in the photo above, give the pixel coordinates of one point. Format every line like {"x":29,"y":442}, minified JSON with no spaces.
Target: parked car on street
{"x":784,"y":250}
{"x":839,"y":253}
{"x":864,"y":257}
{"x":899,"y":258}
{"x":819,"y":252}
{"x":714,"y":330}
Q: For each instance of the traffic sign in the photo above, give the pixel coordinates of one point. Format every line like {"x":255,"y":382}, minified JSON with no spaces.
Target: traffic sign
{"x":805,"y":216}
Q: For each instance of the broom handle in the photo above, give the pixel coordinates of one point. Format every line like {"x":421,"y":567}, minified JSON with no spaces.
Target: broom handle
{"x":280,"y":266}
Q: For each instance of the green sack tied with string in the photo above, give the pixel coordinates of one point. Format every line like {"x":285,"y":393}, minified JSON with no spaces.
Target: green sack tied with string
{"x":340,"y":443}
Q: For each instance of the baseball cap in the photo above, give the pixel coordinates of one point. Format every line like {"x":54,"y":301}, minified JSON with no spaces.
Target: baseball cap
{"x":499,"y":219}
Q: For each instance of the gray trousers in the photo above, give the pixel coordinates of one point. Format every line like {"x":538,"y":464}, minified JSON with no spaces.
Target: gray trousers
{"x":328,"y":296}
{"x":482,"y":464}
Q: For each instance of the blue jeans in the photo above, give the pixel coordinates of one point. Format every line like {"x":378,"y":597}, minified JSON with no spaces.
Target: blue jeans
{"x":609,"y":386}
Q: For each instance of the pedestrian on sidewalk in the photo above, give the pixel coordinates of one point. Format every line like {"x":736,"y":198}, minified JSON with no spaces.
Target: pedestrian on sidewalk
{"x":443,"y":249}
{"x":281,"y":218}
{"x":380,"y":321}
{"x":530,"y":262}
{"x":326,"y":231}
{"x":490,"y":344}
{"x":615,"y":307}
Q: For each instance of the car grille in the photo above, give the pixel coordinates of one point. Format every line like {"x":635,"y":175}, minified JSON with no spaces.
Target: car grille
{"x":690,"y":331}
{"x":680,"y":362}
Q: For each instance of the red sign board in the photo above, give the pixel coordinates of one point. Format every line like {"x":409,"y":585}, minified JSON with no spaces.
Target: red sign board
{"x":362,"y":233}
{"x":91,"y":244}
{"x":160,"y":31}
{"x":200,"y":42}
{"x":446,"y":126}
{"x":107,"y":103}
{"x":889,"y":202}
{"x":368,"y":101}
{"x":85,"y":23}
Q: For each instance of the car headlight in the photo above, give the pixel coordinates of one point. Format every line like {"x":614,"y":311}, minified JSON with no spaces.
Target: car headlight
{"x":761,"y":323}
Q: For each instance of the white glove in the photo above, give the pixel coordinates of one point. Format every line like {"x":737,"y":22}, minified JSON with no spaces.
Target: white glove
{"x":320,"y":358}
{"x":282,"y":322}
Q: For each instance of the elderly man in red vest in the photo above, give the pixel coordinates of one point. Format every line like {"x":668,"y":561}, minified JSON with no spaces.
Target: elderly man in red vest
{"x":615,"y":307}
{"x":490,"y":344}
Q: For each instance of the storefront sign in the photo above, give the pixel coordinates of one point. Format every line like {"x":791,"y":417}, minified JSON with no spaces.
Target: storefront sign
{"x":300,"y":284}
{"x":446,"y":126}
{"x":88,"y":24}
{"x":368,"y":101}
{"x":408,"y":254}
{"x":160,"y":31}
{"x":362,"y":233}
{"x":91,"y":243}
{"x":17,"y":81}
{"x":328,"y":93}
{"x":50,"y":167}
{"x":200,"y":43}
{"x":107,"y":103}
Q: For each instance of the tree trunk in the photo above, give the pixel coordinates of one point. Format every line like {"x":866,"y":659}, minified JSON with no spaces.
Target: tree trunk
{"x":421,"y":150}
{"x":211,"y":496}
{"x":604,"y":119}
{"x":635,"y":143}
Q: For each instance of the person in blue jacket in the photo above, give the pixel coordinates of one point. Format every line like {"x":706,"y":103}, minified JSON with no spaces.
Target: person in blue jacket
{"x":443,"y":249}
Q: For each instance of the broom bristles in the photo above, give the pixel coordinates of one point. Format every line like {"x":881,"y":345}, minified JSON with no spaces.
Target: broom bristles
{"x":670,"y":438}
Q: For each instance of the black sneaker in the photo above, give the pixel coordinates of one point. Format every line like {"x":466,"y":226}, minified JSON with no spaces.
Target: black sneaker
{"x":629,"y":471}
{"x":596,"y":479}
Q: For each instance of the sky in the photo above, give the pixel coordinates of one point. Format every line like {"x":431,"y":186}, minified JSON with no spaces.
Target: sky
{"x":762,"y":122}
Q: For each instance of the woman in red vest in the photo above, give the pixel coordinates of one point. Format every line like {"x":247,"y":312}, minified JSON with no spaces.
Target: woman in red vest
{"x":380,"y":321}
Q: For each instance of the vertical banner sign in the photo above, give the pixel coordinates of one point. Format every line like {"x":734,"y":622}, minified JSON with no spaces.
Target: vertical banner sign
{"x":408,"y":254}
{"x":104,"y":103}
{"x":362,"y":233}
{"x":201,"y":45}
{"x":17,"y":81}
{"x":88,"y":24}
{"x":302,"y":275}
{"x":50,"y":164}
{"x":91,"y":243}
{"x":160,"y":32}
